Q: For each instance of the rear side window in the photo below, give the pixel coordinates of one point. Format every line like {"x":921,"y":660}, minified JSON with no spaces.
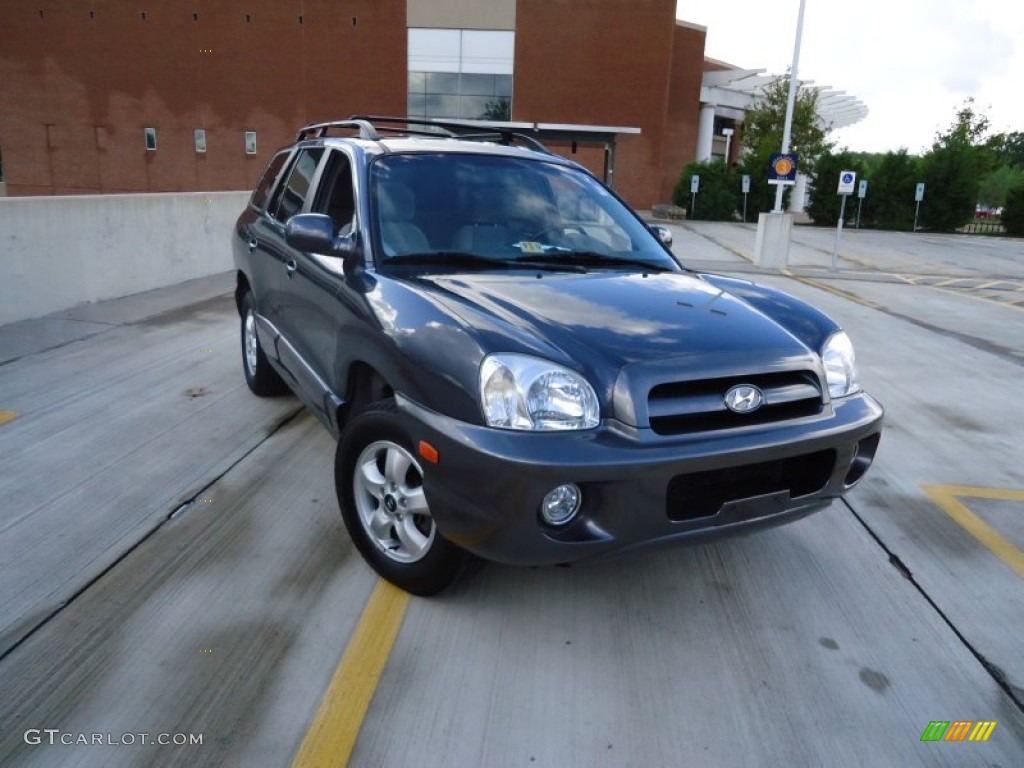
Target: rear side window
{"x":293,"y":194}
{"x":262,"y":193}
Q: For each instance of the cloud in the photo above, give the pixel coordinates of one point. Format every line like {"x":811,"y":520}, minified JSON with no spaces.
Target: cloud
{"x":912,"y":62}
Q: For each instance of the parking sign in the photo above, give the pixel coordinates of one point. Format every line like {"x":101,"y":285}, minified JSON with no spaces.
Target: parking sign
{"x":694,"y":183}
{"x":919,"y":192}
{"x":846,"y":181}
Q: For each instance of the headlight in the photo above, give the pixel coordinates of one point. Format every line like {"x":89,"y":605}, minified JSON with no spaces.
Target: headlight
{"x":523,"y":392}
{"x":840,"y":365}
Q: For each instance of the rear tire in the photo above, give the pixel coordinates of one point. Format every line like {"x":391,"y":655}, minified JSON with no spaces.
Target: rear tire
{"x":379,"y":482}
{"x":262,"y":379}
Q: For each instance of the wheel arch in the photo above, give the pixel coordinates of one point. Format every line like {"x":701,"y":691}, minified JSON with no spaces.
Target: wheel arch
{"x":242,"y":286}
{"x":364,"y":385}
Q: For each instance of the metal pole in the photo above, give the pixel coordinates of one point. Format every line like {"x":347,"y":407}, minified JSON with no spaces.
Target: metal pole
{"x":693,"y":204}
{"x":917,"y":210}
{"x":839,"y":234}
{"x":744,"y":207}
{"x":788,"y":125}
{"x":860,"y":202}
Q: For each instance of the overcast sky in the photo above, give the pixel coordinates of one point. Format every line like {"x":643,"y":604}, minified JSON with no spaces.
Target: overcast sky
{"x":912,"y":62}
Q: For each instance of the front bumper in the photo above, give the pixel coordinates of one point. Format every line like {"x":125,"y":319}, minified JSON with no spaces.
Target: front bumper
{"x":639,"y":489}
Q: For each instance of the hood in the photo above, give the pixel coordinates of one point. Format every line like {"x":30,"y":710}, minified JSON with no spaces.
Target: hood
{"x":606,"y":320}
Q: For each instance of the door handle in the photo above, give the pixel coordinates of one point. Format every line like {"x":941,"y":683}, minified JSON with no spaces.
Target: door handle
{"x":253,"y":245}
{"x":290,"y":266}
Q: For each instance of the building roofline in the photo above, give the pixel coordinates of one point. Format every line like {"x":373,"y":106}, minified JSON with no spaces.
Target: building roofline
{"x":719,"y":62}
{"x":691,"y":25}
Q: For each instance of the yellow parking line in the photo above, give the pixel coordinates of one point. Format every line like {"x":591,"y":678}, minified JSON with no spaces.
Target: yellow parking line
{"x":836,"y":291}
{"x":6,"y":416}
{"x":332,"y":736}
{"x":947,"y":498}
{"x":973,"y":297}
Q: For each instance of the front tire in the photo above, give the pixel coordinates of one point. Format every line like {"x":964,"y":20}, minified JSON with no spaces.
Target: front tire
{"x":380,"y":491}
{"x":262,"y":379}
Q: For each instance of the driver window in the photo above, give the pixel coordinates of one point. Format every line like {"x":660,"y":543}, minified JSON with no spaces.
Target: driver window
{"x":336,"y":198}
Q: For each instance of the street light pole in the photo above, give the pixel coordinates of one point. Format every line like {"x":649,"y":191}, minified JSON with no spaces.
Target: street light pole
{"x":788,"y":125}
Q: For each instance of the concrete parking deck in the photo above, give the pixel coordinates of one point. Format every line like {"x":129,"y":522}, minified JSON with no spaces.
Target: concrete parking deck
{"x":172,"y":561}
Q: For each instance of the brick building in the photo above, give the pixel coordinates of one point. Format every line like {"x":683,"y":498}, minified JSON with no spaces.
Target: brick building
{"x":173,"y":95}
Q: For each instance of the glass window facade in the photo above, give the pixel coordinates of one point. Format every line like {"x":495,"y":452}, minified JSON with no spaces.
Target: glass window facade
{"x":469,"y":95}
{"x":457,"y":73}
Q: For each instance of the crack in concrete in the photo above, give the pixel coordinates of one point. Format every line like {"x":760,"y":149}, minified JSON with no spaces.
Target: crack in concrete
{"x":997,"y":675}
{"x":180,"y":509}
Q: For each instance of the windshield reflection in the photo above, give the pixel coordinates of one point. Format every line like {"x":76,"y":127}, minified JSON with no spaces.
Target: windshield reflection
{"x":451,"y":207}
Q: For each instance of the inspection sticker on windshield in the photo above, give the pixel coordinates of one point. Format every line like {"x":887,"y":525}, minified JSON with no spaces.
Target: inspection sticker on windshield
{"x":528,"y":246}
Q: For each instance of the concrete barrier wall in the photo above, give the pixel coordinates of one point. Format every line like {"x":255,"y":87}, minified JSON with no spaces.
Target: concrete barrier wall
{"x":58,"y":252}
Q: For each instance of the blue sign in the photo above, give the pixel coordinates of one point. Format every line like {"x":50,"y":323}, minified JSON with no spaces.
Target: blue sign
{"x":782,"y":168}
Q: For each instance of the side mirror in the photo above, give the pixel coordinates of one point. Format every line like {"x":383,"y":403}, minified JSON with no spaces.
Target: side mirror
{"x":314,"y":232}
{"x":664,"y":234}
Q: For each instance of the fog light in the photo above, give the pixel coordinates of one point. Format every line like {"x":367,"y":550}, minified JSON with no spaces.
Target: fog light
{"x":863,"y":455}
{"x":561,"y":504}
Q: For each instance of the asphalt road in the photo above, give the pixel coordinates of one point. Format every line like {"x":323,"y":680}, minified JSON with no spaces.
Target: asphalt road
{"x":173,"y":565}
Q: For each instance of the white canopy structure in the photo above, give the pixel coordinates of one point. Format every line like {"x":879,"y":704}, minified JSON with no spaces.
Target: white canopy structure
{"x":728,"y":93}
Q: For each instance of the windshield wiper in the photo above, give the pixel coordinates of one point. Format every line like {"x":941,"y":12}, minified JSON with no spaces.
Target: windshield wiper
{"x":588,"y":259}
{"x":444,"y":258}
{"x":463,"y":259}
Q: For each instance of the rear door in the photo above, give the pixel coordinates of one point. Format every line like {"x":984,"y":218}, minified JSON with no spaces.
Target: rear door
{"x":289,"y":199}
{"x":260,"y":262}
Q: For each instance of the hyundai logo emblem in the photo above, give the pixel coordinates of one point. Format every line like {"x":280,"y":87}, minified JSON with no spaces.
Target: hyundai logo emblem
{"x":744,"y":398}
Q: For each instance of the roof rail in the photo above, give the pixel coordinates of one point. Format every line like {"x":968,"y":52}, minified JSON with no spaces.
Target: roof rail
{"x":453,"y":129}
{"x":319,"y":130}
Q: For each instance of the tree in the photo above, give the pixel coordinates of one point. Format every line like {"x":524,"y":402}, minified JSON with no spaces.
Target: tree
{"x":890,"y":200}
{"x":762,"y":135}
{"x":996,"y":185}
{"x":499,"y":109}
{"x":953,"y":170}
{"x":1013,"y":213}
{"x":719,"y":195}
{"x":1009,"y":148}
{"x":825,"y":203}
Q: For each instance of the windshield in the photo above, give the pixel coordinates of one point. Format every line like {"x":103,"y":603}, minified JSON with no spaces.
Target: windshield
{"x":494,"y":210}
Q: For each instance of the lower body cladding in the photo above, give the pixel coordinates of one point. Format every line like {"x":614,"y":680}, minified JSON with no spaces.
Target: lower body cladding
{"x":622,"y":488}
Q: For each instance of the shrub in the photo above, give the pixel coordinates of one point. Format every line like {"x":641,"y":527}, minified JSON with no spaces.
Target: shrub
{"x":1013,"y":211}
{"x":890,"y":200}
{"x":825,"y":203}
{"x":718,"y":197}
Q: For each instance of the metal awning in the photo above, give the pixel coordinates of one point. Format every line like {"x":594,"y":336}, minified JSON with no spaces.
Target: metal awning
{"x":604,"y":136}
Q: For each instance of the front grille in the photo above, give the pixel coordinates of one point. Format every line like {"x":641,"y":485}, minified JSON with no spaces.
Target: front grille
{"x":702,"y":494}
{"x":695,"y":406}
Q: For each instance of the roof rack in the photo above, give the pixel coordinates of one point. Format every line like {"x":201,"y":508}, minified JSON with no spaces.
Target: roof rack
{"x":319,"y":130}
{"x":452,"y":129}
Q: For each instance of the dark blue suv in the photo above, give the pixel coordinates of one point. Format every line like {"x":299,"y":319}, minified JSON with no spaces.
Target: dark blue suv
{"x":517,"y":367}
